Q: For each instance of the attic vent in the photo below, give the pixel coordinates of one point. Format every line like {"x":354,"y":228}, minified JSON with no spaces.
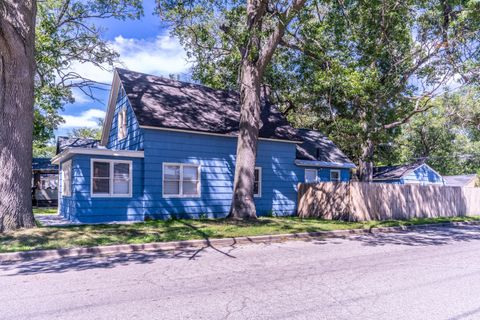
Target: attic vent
{"x":318,"y":153}
{"x":122,"y":124}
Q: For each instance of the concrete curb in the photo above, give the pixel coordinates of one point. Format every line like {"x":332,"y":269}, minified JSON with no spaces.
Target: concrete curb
{"x":179,"y":245}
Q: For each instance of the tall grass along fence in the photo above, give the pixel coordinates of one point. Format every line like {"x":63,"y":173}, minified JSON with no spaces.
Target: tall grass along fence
{"x":359,"y":201}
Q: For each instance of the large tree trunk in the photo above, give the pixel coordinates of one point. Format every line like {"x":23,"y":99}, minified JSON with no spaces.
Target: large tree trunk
{"x":17,"y":67}
{"x":365,"y":163}
{"x":243,"y":205}
{"x":255,"y":57}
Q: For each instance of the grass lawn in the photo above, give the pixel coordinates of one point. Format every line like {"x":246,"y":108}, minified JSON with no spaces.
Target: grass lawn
{"x":170,"y":230}
{"x":45,"y":210}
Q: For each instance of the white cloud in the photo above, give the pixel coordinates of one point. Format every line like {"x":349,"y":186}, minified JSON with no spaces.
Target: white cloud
{"x":162,"y":55}
{"x":80,"y":97}
{"x":88,"y":118}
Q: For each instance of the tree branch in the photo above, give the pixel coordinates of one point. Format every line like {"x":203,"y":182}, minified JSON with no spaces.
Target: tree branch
{"x":272,"y":42}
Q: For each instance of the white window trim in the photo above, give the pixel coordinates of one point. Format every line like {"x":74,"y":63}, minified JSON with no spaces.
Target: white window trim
{"x":305,"y":175}
{"x":339,"y":176}
{"x":123,"y":112}
{"x":111,"y":178}
{"x":69,"y":165}
{"x":181,"y":195}
{"x":259,"y":194}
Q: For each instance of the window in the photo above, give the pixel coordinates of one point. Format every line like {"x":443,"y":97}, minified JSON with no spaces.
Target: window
{"x":335,"y":175}
{"x":257,"y":182}
{"x":111,"y":178}
{"x":67,"y":179}
{"x":122,"y":124}
{"x":310,"y":175}
{"x":181,"y":180}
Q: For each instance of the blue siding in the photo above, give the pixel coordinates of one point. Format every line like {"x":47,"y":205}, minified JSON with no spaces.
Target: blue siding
{"x":423,"y":174}
{"x":216,"y":156}
{"x":81,"y":207}
{"x":134,"y":138}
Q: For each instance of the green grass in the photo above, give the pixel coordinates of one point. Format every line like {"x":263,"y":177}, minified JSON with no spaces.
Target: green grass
{"x":158,"y":231}
{"x":44,"y":210}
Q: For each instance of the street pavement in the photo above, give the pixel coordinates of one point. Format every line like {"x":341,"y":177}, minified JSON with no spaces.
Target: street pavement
{"x":427,"y":274}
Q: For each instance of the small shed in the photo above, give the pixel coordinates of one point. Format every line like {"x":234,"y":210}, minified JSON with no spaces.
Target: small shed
{"x":465,"y":181}
{"x":412,"y":173}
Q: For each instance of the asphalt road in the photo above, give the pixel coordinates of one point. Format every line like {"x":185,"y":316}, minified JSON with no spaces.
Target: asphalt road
{"x":432,"y":274}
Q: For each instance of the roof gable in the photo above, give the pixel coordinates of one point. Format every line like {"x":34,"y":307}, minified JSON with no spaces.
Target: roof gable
{"x":164,"y":103}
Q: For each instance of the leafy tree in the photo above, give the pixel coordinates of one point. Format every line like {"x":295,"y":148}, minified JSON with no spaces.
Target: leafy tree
{"x":87,"y":132}
{"x":357,"y":70}
{"x":67,"y":34}
{"x":446,"y":136}
{"x":44,"y":150}
{"x":246,"y":34}
{"x":388,"y":61}
{"x":35,"y":74}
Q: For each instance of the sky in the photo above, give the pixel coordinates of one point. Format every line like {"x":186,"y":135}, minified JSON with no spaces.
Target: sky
{"x":144,"y":45}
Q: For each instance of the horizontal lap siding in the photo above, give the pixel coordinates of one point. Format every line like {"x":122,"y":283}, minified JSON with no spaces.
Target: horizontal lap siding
{"x":134,"y":138}
{"x":216,"y":156}
{"x":87,"y":209}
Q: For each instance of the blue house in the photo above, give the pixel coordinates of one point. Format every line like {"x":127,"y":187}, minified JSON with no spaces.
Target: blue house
{"x":414,"y":173}
{"x":168,"y":149}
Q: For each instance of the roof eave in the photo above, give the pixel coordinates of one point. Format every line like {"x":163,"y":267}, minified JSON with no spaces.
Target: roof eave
{"x":315,"y":163}
{"x":69,"y":152}
{"x":107,"y":124}
{"x":214,"y":134}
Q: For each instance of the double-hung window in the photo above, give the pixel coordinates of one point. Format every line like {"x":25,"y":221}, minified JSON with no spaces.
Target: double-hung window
{"x":310,"y":175}
{"x":257,"y":182}
{"x":335,"y":175}
{"x":67,"y":179}
{"x":111,"y":178}
{"x":181,"y":180}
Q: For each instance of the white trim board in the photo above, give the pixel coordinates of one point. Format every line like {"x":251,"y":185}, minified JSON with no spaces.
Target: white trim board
{"x":112,"y":102}
{"x":214,"y":134}
{"x":67,"y":153}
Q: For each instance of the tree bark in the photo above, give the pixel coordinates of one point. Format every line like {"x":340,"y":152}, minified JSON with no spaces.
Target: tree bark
{"x":17,"y":69}
{"x":243,"y":205}
{"x":255,"y":58}
{"x":365,"y":163}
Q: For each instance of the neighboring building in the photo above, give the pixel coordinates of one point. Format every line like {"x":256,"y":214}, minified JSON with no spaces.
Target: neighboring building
{"x":44,"y":183}
{"x":414,"y":173}
{"x":168,"y":149}
{"x":467,"y":180}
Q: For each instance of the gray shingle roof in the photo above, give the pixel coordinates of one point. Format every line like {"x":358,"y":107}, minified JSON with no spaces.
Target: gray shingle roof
{"x":166,"y":103}
{"x":69,"y":142}
{"x":460,"y":180}
{"x":317,"y":147}
{"x":394,"y":172}
{"x":40,"y":164}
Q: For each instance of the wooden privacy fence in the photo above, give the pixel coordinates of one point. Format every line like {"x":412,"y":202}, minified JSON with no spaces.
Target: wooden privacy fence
{"x":358,"y":201}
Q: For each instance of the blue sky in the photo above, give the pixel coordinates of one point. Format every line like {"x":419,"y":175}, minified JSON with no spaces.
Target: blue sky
{"x":144,"y":45}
